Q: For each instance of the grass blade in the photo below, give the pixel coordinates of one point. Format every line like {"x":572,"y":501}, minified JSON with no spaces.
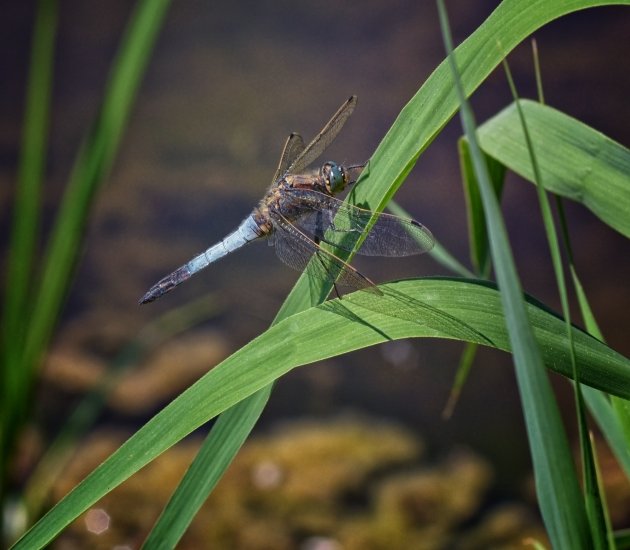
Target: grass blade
{"x":50,"y":466}
{"x":579,"y":162}
{"x":26,"y":220}
{"x":593,"y":499}
{"x":556,"y":483}
{"x":477,"y":231}
{"x":213,"y":459}
{"x":436,"y":102}
{"x":463,"y":370}
{"x":30,"y":171}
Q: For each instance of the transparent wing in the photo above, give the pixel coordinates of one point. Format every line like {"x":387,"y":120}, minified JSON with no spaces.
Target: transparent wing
{"x":292,"y":149}
{"x":296,"y":249}
{"x":322,"y":140}
{"x":330,"y":220}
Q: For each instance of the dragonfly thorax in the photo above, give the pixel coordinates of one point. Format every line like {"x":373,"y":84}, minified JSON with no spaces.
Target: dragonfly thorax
{"x":334,"y":177}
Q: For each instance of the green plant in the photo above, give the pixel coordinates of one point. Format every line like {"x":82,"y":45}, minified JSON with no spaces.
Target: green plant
{"x":467,"y":310}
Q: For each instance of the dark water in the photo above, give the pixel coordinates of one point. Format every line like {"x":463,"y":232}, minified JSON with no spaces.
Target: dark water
{"x":227,"y":83}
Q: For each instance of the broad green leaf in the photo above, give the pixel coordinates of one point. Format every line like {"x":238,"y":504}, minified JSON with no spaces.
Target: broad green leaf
{"x":578,"y":162}
{"x":435,"y":103}
{"x":435,"y":308}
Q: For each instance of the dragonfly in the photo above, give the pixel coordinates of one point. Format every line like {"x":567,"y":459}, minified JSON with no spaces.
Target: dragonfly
{"x":300,"y":211}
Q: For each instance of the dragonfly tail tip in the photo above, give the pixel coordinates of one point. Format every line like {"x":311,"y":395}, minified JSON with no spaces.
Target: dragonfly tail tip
{"x":166,"y":284}
{"x":148,"y":297}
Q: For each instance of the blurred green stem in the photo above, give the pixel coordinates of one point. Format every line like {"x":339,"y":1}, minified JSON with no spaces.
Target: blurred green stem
{"x":25,"y":227}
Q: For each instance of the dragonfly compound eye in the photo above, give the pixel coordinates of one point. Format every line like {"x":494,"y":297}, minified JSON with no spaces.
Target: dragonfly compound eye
{"x":334,"y":176}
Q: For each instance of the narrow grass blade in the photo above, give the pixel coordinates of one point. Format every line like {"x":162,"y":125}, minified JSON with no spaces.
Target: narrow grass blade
{"x":89,"y":171}
{"x":597,"y":503}
{"x":556,"y":482}
{"x":297,"y":341}
{"x":613,"y":418}
{"x":30,"y":172}
{"x":463,"y":370}
{"x":213,"y":459}
{"x":478,"y":245}
{"x":612,"y":415}
{"x":585,"y":308}
{"x":601,"y":408}
{"x":593,"y":500}
{"x":26,"y":221}
{"x":477,"y":231}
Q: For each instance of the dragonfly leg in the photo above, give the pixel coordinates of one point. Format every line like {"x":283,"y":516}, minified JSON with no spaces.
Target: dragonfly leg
{"x":317,"y":241}
{"x":336,"y":290}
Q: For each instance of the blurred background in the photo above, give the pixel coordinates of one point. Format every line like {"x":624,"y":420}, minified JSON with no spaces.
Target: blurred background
{"x":227,"y":83}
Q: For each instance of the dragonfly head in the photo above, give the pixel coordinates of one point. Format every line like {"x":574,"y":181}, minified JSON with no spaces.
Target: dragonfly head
{"x":335,"y":177}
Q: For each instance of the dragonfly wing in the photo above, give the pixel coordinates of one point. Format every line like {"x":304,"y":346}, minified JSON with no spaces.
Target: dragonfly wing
{"x":296,"y":249}
{"x":322,"y":140}
{"x":292,"y":149}
{"x":338,"y":223}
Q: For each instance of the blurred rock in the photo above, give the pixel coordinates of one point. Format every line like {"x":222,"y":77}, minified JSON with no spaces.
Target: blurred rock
{"x":348,"y":483}
{"x":166,"y":372}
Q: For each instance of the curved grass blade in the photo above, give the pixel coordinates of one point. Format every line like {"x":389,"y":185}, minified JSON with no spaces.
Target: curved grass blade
{"x":579,"y":162}
{"x":214,"y":457}
{"x":592,"y":498}
{"x":594,"y":503}
{"x":297,"y":341}
{"x":434,"y":105}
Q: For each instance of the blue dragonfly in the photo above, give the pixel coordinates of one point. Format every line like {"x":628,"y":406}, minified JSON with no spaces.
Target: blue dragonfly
{"x":299,"y":211}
